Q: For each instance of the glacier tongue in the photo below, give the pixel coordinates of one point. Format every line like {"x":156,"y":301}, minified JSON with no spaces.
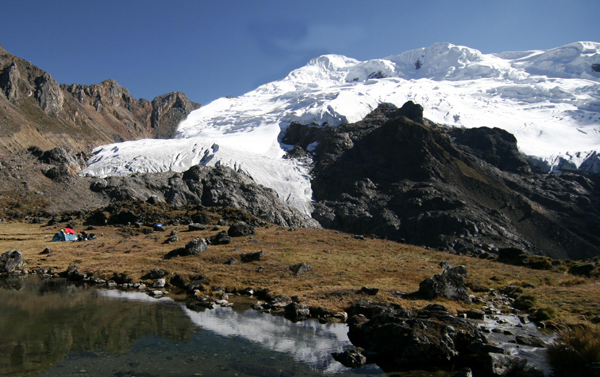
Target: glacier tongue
{"x":550,"y":100}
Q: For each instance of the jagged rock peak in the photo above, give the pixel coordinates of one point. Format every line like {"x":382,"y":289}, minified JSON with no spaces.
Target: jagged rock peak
{"x":107,"y":93}
{"x":169,"y":110}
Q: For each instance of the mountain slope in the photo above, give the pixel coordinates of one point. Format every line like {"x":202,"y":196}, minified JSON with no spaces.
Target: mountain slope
{"x":550,"y":100}
{"x":36,"y":110}
{"x":462,"y":190}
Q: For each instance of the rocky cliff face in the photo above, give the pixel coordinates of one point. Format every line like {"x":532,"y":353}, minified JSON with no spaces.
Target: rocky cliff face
{"x":36,"y":110}
{"x":398,"y":176}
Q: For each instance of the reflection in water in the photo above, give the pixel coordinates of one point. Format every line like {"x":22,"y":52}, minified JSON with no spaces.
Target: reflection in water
{"x":59,"y":329}
{"x":308,"y":342}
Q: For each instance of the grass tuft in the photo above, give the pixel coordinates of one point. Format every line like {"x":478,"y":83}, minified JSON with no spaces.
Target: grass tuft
{"x":574,"y":349}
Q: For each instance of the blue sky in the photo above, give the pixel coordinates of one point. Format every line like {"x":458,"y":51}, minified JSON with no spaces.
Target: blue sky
{"x":211,"y":49}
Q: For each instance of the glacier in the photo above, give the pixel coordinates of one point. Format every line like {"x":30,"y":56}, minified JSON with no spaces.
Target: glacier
{"x":549,"y":99}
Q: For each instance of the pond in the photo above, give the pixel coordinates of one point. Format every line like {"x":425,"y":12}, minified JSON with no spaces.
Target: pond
{"x":56,"y":328}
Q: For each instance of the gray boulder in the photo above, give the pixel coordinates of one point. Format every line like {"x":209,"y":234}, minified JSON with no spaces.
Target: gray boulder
{"x":11,"y":260}
{"x":300,"y":268}
{"x":241,"y":229}
{"x":449,"y":284}
{"x":195,"y":246}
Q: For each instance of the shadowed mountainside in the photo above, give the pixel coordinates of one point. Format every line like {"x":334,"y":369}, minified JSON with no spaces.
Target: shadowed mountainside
{"x":398,"y":176}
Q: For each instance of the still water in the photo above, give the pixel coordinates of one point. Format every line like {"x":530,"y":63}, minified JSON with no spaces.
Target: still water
{"x":55,"y":328}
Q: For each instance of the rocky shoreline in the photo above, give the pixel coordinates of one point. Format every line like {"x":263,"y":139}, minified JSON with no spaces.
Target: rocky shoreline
{"x":386,"y":334}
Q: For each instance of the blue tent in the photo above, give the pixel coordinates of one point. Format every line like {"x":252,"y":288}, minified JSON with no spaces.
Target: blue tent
{"x":64,"y":236}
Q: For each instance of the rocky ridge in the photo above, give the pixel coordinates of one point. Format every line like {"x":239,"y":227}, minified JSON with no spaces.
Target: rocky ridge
{"x":36,"y":110}
{"x":402,"y":177}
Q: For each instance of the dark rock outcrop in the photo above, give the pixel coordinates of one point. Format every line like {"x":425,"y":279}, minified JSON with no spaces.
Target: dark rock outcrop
{"x":452,"y":189}
{"x":252,"y":257}
{"x":240,"y":229}
{"x":210,"y":187}
{"x":449,"y":284}
{"x":431,"y":337}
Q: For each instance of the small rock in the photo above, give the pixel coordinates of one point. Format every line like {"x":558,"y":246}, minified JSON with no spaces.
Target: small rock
{"x":300,"y":268}
{"x":352,"y":358}
{"x":370,"y":291}
{"x":194,"y":227}
{"x":250,"y":257}
{"x":531,"y":340}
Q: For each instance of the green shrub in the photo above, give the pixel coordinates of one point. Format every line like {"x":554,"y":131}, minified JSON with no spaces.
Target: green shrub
{"x":545,"y":313}
{"x":539,"y":263}
{"x":525,"y":302}
{"x":574,"y":349}
{"x":513,"y":291}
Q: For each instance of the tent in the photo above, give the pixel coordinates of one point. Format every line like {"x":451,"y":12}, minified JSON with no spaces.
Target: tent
{"x":65,"y":235}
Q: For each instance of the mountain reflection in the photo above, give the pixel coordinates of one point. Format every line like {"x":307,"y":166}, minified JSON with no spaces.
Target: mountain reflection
{"x":42,"y":322}
{"x":55,"y":328}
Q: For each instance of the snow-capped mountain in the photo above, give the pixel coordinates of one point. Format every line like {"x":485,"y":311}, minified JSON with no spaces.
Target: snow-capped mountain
{"x":550,"y":100}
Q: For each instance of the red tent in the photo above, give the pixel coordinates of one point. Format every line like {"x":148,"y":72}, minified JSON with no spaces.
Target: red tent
{"x":69,"y":231}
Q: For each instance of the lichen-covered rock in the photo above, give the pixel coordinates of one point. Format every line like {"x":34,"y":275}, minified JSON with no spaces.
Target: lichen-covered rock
{"x":10,"y":261}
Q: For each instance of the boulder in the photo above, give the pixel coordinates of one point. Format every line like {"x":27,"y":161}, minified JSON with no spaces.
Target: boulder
{"x":503,"y":365}
{"x":193,"y":227}
{"x":429,"y":337}
{"x":195,"y":246}
{"x":251,"y":257}
{"x":449,"y":284}
{"x":300,"y":268}
{"x":240,"y":229}
{"x":583,"y":270}
{"x":352,"y":358}
{"x":221,"y":238}
{"x":531,"y":340}
{"x":155,"y":274}
{"x":370,"y":291}
{"x":296,"y":312}
{"x":11,"y":260}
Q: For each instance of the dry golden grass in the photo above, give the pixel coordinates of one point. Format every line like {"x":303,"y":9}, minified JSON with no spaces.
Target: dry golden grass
{"x":341,"y":265}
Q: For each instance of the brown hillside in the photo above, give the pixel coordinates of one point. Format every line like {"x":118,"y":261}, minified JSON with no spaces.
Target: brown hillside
{"x":36,"y":110}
